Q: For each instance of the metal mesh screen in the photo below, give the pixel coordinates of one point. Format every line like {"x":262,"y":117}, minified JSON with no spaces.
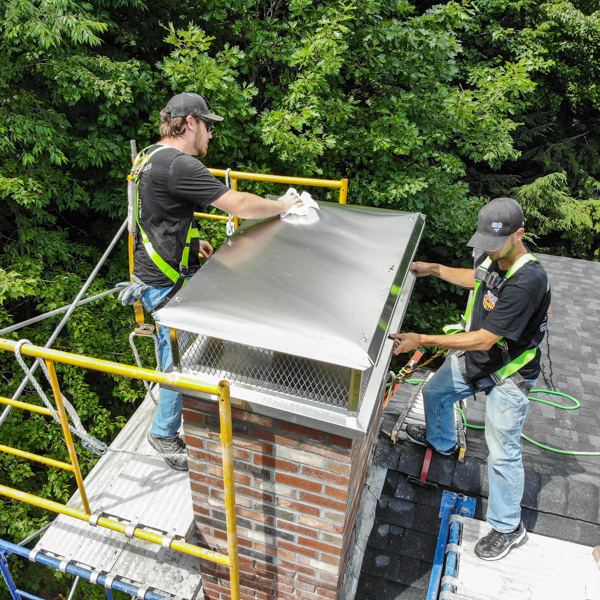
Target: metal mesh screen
{"x":264,"y":369}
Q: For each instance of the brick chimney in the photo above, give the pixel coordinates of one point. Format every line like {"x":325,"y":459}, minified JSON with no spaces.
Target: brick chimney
{"x":298,"y":491}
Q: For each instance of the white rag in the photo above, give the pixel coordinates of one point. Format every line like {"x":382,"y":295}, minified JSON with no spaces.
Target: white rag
{"x":300,"y":210}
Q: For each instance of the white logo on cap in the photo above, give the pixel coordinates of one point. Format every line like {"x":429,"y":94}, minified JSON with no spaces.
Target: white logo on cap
{"x":497,"y":226}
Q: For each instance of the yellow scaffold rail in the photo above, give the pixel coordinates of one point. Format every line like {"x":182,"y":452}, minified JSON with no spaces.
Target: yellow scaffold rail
{"x":155,"y":538}
{"x":341,"y":184}
{"x":107,"y":366}
{"x":328,"y":183}
{"x":176,"y":380}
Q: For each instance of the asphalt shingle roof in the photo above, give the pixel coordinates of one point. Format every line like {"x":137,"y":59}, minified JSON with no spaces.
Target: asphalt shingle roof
{"x":562,"y":497}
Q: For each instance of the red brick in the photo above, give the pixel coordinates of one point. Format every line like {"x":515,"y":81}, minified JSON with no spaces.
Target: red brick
{"x":308,"y":596}
{"x":320,"y":525}
{"x":242,"y":542}
{"x":275,"y":438}
{"x":297,"y":529}
{"x":338,"y":467}
{"x":200,"y":489}
{"x":203,"y":530}
{"x":191,"y":416}
{"x":298,"y":568}
{"x":259,"y":495}
{"x":214,"y":588}
{"x":245,"y":561}
{"x":334,"y":540}
{"x":337,"y":517}
{"x":256,"y":586}
{"x":260,"y":570}
{"x":267,"y":578}
{"x":298,"y":506}
{"x":205,"y":456}
{"x":332,"y":580}
{"x":193,"y":440}
{"x":203,"y":510}
{"x":296,"y":482}
{"x":252,"y":445}
{"x":336,"y":493}
{"x":305,"y":432}
{"x":275,"y":463}
{"x":271,"y":551}
{"x":297,"y":549}
{"x":320,"y":546}
{"x":199,"y":405}
{"x":275,"y":569}
{"x":334,"y":560}
{"x":297,"y":584}
{"x":202,"y":478}
{"x":324,"y":593}
{"x":323,"y":501}
{"x":248,"y":417}
{"x":337,"y":440}
{"x":327,"y":590}
{"x":322,"y":475}
{"x":241,"y":500}
{"x":327,"y":451}
{"x":237,"y":477}
{"x":237,"y":452}
{"x":255,"y":516}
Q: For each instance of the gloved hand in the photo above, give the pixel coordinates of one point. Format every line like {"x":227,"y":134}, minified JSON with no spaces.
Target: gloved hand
{"x":131,"y":291}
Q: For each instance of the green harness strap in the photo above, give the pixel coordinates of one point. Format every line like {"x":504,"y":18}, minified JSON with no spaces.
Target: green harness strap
{"x":518,"y":363}
{"x":464,"y":319}
{"x":138,"y":166}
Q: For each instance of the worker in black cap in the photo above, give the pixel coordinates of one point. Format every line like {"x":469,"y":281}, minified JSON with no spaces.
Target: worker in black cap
{"x":498,"y":354}
{"x":172,"y":186}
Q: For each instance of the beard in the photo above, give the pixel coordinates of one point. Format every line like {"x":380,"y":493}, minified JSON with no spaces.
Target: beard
{"x":200,"y":146}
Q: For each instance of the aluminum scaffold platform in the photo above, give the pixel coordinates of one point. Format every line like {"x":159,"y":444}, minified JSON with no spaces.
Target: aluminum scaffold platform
{"x":140,"y":490}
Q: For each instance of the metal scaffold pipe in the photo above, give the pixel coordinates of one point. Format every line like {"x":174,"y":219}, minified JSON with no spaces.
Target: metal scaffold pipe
{"x":83,"y":573}
{"x":68,"y":314}
{"x":58,"y":311}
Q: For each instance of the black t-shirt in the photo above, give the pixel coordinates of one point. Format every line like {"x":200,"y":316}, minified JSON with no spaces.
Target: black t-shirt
{"x":172,"y":186}
{"x":518,"y":312}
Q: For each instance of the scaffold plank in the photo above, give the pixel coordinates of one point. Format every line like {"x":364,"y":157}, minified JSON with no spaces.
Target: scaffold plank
{"x":143,"y":489}
{"x":542,"y":569}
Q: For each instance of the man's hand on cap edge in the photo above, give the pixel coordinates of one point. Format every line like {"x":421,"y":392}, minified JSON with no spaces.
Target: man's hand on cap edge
{"x":422,"y":269}
{"x":405,"y":342}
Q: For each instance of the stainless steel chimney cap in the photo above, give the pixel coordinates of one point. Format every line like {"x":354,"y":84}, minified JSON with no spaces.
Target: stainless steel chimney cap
{"x":322,"y":287}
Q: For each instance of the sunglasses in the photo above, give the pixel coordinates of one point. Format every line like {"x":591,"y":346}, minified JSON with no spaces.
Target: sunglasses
{"x":209,"y":124}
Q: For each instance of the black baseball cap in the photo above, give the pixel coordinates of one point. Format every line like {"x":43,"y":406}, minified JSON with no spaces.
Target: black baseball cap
{"x":497,"y":220}
{"x":188,"y":103}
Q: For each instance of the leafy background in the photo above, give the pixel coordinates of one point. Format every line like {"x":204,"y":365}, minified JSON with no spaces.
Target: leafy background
{"x":424,"y":106}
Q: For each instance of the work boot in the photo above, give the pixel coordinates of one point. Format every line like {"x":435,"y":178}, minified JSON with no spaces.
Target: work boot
{"x":496,"y":545}
{"x":171,"y":445}
{"x":418,"y":435}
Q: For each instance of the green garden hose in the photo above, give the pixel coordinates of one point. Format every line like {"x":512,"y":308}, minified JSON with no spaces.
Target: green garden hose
{"x":576,"y":405}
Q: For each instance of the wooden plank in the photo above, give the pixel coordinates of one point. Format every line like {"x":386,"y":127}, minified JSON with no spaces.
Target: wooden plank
{"x":542,"y":569}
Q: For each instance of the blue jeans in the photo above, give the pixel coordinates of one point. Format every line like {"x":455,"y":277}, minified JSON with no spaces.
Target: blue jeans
{"x":168,"y":413}
{"x":505,"y":414}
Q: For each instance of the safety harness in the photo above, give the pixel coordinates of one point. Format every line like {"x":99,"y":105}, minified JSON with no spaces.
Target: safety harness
{"x":511,"y":366}
{"x":177,"y":277}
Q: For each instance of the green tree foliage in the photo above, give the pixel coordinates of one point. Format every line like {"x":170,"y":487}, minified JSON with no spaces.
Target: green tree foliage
{"x":558,"y":170}
{"x":430,"y":107}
